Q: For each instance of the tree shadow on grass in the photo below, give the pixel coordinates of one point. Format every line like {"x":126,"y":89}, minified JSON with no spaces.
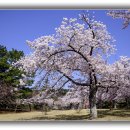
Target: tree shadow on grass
{"x":101,"y":114}
{"x":63,"y":117}
{"x":119,"y":113}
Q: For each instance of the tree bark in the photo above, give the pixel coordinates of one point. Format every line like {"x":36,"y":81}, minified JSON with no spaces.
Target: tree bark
{"x":115,"y":104}
{"x":80,"y":106}
{"x":16,"y":108}
{"x":30,"y":109}
{"x":127,"y":103}
{"x":92,"y":103}
{"x":111,"y":105}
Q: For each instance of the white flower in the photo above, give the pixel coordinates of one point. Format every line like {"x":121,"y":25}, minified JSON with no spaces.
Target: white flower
{"x":21,"y":82}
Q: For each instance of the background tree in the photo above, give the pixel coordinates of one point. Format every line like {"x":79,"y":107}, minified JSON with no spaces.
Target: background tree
{"x":9,"y":75}
{"x":121,"y":14}
{"x":115,"y":82}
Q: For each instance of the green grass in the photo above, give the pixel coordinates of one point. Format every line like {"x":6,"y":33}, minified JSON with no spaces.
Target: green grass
{"x":103,"y":115}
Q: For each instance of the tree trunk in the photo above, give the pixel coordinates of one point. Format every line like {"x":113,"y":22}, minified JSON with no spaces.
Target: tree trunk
{"x":16,"y":108}
{"x":92,"y":103}
{"x":45,"y":109}
{"x":114,"y":105}
{"x":111,"y":105}
{"x":127,"y":103}
{"x":30,"y":109}
{"x":80,"y":105}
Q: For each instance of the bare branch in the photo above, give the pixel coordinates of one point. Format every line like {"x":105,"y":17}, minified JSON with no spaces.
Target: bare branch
{"x":77,"y":83}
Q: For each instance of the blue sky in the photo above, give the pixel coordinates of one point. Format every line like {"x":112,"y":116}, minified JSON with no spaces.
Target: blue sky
{"x":17,"y":26}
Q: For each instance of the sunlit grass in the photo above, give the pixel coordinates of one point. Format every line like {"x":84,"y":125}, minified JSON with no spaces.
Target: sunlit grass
{"x":103,"y":115}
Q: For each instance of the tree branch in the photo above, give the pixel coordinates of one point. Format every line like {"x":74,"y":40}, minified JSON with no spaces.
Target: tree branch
{"x":57,"y":81}
{"x":70,"y":79}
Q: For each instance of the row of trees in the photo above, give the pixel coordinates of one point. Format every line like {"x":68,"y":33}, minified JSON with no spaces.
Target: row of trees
{"x":75,"y":56}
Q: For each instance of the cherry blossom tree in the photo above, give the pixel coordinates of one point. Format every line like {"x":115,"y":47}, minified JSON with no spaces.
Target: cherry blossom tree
{"x":123,"y":70}
{"x":43,"y":99}
{"x":121,"y":14}
{"x":117,"y":81}
{"x":76,"y":96}
{"x":75,"y":54}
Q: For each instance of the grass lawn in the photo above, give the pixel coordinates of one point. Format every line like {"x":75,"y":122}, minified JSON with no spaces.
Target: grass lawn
{"x":103,"y":115}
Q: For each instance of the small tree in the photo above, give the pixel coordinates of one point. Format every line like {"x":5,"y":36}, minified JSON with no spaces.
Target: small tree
{"x":78,"y":96}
